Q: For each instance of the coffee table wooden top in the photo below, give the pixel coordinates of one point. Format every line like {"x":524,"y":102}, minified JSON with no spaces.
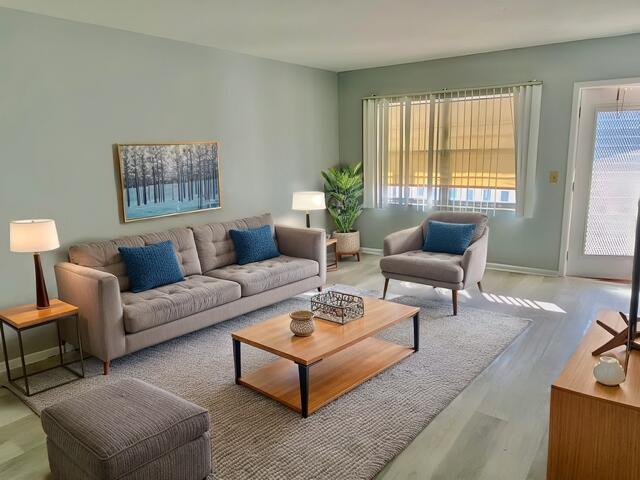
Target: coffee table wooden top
{"x":274,"y":335}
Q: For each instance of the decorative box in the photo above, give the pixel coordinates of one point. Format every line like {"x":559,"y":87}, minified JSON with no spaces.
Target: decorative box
{"x":337,"y":306}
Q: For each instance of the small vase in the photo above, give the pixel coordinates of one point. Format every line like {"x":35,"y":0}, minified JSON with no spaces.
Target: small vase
{"x":608,"y":371}
{"x":302,"y":323}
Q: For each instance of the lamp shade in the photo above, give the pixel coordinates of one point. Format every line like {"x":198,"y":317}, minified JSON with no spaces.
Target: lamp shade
{"x":307,"y":201}
{"x":31,"y":236}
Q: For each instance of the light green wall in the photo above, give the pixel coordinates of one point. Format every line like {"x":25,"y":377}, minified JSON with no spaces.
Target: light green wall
{"x":526,"y":242}
{"x":69,"y":91}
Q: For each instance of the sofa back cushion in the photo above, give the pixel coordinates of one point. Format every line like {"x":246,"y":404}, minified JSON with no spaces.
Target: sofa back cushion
{"x":104,"y":255}
{"x":214,"y":245}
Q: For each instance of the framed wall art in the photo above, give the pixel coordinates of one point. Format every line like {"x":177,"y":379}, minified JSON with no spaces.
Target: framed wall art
{"x":163,"y":179}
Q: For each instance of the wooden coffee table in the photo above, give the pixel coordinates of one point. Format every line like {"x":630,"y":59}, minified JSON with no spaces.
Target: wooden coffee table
{"x":342,"y":356}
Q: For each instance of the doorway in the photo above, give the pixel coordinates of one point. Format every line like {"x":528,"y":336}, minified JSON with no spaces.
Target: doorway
{"x":605,"y":186}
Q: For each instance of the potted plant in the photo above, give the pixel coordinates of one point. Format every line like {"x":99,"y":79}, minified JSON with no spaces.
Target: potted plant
{"x":343,"y":187}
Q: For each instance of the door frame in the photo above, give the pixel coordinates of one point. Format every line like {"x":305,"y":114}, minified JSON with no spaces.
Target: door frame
{"x":578,"y":88}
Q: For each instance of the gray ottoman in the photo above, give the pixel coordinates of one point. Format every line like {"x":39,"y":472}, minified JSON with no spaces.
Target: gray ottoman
{"x":128,"y":430}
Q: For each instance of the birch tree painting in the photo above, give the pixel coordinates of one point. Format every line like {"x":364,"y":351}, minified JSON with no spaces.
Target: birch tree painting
{"x":168,"y":179}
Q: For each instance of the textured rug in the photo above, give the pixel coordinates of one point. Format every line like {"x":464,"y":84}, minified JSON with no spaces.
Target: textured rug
{"x":353,"y":437}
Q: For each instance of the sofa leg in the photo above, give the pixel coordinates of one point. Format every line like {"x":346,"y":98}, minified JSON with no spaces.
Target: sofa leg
{"x":105,"y":368}
{"x":320,"y":288}
{"x":480,"y":287}
{"x":454,"y":298}
{"x":386,"y":285}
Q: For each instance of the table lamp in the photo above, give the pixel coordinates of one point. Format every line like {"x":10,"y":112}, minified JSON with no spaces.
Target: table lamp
{"x":307,"y":201}
{"x":34,"y":236}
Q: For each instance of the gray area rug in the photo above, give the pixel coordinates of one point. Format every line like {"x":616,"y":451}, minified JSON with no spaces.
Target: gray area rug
{"x":254,"y":437}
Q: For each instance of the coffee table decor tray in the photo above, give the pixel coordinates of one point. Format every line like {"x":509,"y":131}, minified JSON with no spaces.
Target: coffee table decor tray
{"x":337,"y":307}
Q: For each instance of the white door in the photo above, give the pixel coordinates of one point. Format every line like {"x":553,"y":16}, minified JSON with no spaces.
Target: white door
{"x":606,"y":183}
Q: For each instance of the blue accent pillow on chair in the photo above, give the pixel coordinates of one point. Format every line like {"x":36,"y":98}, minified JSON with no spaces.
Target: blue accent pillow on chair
{"x":151,"y":266}
{"x":444,"y":237}
{"x":254,"y":244}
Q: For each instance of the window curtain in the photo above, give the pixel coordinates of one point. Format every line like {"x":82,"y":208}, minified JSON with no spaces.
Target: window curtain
{"x":527,"y":101}
{"x":452,"y":150}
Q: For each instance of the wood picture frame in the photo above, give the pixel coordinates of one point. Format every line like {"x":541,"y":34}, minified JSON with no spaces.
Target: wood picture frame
{"x":165,"y":179}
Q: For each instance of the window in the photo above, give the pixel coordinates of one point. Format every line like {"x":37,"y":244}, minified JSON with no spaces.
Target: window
{"x":448,"y":150}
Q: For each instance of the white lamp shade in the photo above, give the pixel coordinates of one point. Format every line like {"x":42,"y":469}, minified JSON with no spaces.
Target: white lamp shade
{"x":30,"y":236}
{"x":307,"y":201}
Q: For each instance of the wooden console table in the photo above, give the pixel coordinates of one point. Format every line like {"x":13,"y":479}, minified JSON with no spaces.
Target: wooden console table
{"x":594,"y":430}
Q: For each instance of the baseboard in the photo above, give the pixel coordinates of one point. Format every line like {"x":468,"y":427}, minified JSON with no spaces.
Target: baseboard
{"x":491,"y":266}
{"x":28,"y":359}
{"x":518,"y":269}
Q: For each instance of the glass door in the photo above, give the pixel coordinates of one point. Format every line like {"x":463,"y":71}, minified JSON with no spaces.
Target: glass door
{"x":607,"y":184}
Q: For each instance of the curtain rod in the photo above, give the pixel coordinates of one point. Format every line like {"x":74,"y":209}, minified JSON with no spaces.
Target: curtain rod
{"x":454,"y":90}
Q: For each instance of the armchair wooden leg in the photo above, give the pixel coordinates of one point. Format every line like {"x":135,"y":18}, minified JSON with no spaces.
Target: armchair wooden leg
{"x":480,"y":287}
{"x":105,"y":368}
{"x":386,"y":285}
{"x":454,"y":298}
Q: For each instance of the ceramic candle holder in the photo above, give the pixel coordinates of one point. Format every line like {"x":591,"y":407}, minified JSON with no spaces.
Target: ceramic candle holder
{"x":302,"y":323}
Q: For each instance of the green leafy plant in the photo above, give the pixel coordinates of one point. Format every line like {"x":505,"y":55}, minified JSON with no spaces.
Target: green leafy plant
{"x":343,"y":187}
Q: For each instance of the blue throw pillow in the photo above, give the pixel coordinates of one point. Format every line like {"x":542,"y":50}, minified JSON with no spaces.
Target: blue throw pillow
{"x":444,"y":237}
{"x":151,"y":266}
{"x":254,"y":244}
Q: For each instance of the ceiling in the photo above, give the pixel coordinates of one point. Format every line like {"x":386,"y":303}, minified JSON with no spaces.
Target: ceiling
{"x":343,"y":35}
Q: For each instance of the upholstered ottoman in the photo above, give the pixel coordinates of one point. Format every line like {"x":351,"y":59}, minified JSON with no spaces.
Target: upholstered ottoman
{"x":128,"y":430}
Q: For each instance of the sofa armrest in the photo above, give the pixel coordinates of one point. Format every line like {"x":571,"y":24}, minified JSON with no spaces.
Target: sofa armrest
{"x":308,"y":243}
{"x":97,"y":295}
{"x":403,"y":241}
{"x":474,"y":260}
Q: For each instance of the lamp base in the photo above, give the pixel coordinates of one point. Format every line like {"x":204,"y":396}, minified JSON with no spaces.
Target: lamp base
{"x":42,"y":298}
{"x":308,"y":220}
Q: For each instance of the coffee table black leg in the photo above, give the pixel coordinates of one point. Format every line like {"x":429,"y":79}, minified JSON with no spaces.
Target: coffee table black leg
{"x":303,"y":373}
{"x":236,"y":360}
{"x":416,"y":332}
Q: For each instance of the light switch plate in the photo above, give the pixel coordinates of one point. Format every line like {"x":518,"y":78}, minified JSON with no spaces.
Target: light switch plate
{"x":553,"y":176}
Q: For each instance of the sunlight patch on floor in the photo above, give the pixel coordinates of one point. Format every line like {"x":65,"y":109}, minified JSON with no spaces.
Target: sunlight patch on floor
{"x":523,"y":302}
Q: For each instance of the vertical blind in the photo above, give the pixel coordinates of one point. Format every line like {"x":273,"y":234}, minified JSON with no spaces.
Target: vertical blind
{"x":462,"y":150}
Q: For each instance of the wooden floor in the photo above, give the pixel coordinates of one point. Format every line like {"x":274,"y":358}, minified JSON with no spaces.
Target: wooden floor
{"x":495,"y":429}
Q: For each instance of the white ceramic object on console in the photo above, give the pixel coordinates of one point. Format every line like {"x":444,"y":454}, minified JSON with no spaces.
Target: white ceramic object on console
{"x":608,"y":371}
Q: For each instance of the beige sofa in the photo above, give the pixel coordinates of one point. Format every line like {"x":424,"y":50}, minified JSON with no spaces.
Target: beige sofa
{"x":115,"y":321}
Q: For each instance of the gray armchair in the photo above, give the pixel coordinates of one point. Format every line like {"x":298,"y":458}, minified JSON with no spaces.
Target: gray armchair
{"x":404,"y":259}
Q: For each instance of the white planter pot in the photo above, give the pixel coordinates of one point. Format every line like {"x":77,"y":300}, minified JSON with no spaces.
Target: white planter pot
{"x":347,"y":243}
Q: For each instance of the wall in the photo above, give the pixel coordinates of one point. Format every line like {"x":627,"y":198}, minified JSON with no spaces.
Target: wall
{"x":531,"y":242}
{"x":69,"y":91}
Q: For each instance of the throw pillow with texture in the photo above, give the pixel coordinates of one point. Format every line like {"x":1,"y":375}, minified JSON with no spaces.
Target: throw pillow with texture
{"x":151,"y":266}
{"x":444,"y":237}
{"x":254,"y":244}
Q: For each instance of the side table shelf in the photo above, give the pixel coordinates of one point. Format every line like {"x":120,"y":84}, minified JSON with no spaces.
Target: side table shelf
{"x":26,"y":317}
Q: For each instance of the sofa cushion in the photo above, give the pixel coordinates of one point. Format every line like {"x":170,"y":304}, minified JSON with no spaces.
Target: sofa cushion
{"x":254,"y":244}
{"x":268,"y":274}
{"x":184,"y":245}
{"x":151,"y":266}
{"x":116,"y":429}
{"x":104,"y":255}
{"x":161,"y":305}
{"x":214,"y":245}
{"x":443,"y":267}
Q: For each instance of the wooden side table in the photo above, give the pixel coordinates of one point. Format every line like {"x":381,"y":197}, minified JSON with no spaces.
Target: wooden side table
{"x":26,"y":317}
{"x":332,"y":266}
